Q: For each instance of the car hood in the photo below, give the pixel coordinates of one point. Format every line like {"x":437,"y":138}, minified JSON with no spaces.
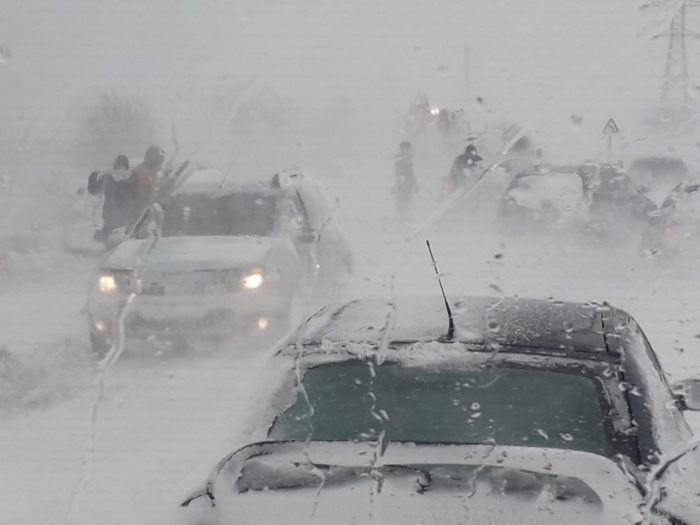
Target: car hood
{"x":177,"y":254}
{"x":416,"y":484}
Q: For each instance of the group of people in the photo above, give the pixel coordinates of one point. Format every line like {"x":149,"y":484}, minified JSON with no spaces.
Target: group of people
{"x":406,"y":184}
{"x":127,"y":192}
{"x":424,"y":121}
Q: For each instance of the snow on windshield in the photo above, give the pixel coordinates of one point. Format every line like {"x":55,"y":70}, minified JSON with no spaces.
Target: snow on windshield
{"x":245,"y":213}
{"x":384,"y":124}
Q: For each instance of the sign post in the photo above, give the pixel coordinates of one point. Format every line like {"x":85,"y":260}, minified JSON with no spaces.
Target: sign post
{"x":610,"y":129}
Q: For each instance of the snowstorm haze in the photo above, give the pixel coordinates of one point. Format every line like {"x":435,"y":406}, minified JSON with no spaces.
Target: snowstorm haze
{"x":252,"y":87}
{"x":340,"y":66}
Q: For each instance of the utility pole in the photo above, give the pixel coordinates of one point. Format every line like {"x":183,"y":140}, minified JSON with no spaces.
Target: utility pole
{"x":675,"y":92}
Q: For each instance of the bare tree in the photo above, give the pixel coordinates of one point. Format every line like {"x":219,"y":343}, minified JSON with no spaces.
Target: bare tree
{"x":118,"y":123}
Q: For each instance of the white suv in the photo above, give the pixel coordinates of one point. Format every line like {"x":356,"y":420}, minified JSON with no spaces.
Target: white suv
{"x":218,"y":258}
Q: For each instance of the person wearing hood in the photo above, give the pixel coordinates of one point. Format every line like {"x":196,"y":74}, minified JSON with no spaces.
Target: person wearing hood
{"x":465,"y":164}
{"x":113,"y":184}
{"x":405,"y":177}
{"x":145,"y":181}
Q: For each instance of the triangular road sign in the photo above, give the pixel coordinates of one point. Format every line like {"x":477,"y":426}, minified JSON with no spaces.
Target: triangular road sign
{"x":611,"y":128}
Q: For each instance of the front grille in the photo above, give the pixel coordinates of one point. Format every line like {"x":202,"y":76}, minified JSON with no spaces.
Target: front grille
{"x":192,"y":283}
{"x":139,"y":325}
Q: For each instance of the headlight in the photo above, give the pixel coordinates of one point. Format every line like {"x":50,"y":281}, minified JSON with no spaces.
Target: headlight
{"x":113,"y":281}
{"x":253,"y":279}
{"x":107,"y":284}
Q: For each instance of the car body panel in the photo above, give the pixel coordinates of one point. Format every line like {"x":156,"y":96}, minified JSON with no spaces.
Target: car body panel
{"x":483,"y":483}
{"x":490,"y":333}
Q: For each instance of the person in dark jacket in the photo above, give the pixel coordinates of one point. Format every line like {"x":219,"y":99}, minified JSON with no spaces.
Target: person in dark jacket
{"x":405,"y":177}
{"x":113,"y":184}
{"x":145,"y":182}
{"x":464,"y":164}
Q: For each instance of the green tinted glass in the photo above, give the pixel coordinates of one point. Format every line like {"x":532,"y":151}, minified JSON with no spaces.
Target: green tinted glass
{"x":507,"y":406}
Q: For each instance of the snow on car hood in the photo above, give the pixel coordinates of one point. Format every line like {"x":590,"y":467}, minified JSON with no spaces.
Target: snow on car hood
{"x":415,"y":484}
{"x":174,"y":254}
{"x":561,"y":191}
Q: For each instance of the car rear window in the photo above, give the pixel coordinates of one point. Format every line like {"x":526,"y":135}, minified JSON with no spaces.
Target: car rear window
{"x":505,"y":406}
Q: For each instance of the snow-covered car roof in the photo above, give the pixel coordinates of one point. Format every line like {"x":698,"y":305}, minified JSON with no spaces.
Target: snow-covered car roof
{"x":546,"y":169}
{"x":557,"y":187}
{"x":531,"y":325}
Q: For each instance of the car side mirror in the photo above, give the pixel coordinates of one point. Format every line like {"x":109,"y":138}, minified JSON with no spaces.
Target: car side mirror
{"x":687,"y":394}
{"x":116,"y":237}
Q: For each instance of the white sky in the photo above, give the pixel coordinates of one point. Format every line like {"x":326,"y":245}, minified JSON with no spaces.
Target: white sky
{"x":536,"y":62}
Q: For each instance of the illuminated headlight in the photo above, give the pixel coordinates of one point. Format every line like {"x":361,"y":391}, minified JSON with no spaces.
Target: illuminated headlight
{"x":122,"y":281}
{"x":435,"y":111}
{"x":253,"y":279}
{"x":107,"y":284}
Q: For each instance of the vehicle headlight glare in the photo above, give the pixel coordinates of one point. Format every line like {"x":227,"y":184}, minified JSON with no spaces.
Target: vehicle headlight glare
{"x":252,"y":280}
{"x":107,"y":284}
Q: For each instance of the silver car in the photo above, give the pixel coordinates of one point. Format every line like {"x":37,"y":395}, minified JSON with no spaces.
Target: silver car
{"x":217,"y":258}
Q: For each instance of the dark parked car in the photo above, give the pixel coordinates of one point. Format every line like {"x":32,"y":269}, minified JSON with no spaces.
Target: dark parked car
{"x":675,"y":228}
{"x":617,"y":205}
{"x":219,"y":257}
{"x":657,"y":175}
{"x":521,"y":411}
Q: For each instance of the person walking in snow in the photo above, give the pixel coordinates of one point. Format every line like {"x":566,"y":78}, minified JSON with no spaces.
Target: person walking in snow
{"x":112,"y":183}
{"x":405,"y":178}
{"x":464,"y":165}
{"x":145,"y":182}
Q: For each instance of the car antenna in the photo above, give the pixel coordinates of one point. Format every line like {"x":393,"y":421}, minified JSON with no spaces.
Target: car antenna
{"x":449,"y":336}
